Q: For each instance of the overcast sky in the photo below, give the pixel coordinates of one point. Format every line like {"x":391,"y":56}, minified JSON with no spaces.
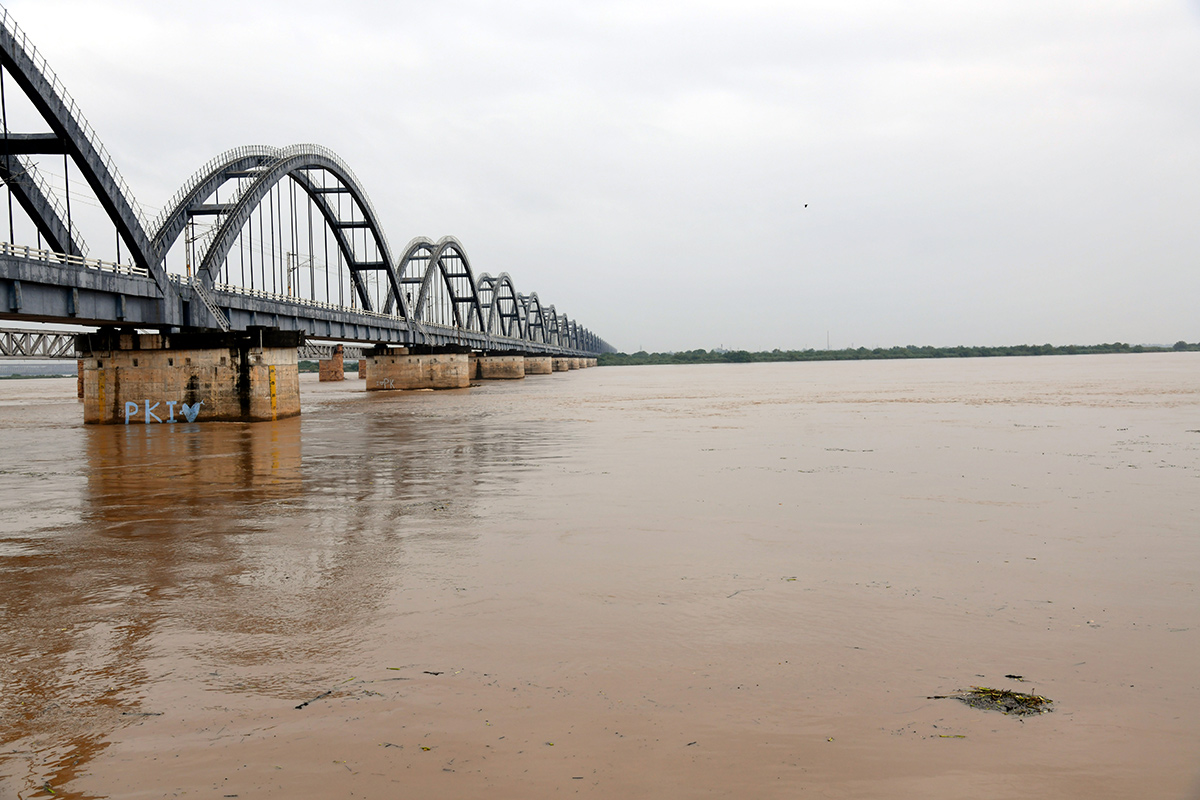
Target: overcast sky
{"x":974,"y":173}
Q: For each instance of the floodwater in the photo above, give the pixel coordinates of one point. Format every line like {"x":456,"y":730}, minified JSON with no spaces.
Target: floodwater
{"x":645,"y":582}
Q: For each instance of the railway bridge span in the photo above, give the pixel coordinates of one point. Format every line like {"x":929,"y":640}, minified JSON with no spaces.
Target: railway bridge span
{"x":262,"y":251}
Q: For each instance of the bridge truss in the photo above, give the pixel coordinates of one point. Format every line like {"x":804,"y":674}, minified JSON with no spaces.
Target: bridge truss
{"x":42,"y":344}
{"x":279,"y":237}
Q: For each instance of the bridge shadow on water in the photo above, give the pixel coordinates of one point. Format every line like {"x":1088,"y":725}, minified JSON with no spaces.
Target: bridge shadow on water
{"x":234,"y":558}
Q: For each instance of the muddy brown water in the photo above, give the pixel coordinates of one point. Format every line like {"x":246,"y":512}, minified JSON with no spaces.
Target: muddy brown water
{"x":647,"y":582}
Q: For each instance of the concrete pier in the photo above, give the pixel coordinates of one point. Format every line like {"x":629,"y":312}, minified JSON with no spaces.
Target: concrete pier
{"x":362,"y":368}
{"x":333,"y":368}
{"x":538,"y":365}
{"x":395,"y":368}
{"x":501,"y":367}
{"x":561,"y":364}
{"x":189,"y":377}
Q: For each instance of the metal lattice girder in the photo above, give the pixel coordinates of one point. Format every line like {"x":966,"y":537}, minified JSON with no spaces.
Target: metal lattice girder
{"x":314,"y":351}
{"x":15,"y":343}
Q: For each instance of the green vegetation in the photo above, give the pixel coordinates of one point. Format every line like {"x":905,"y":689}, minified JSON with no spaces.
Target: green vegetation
{"x":862,"y":353}
{"x":32,"y":377}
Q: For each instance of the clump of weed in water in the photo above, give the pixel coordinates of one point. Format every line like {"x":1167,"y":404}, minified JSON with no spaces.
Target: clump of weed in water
{"x":1006,"y":701}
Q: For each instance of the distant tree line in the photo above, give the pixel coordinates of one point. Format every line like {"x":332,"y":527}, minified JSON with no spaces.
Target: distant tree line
{"x":863,"y":353}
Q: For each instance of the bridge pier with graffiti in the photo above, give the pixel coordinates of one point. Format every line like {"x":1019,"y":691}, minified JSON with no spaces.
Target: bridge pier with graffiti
{"x":201,"y":313}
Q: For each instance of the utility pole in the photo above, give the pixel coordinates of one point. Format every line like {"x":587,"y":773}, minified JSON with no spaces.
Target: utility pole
{"x":189,"y":239}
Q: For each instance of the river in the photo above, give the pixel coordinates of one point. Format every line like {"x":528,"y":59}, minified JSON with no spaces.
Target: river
{"x":640,"y":582}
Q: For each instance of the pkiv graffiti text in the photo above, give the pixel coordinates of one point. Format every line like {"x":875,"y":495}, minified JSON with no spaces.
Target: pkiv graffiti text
{"x":153,"y":410}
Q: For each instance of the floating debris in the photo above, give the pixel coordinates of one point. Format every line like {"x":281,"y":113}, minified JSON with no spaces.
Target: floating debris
{"x":315,"y":699}
{"x":1005,"y":701}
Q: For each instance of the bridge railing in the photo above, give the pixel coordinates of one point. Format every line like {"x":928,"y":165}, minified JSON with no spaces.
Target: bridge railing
{"x":31,"y":171}
{"x":423,"y":329}
{"x":287,"y":298}
{"x":199,"y":175}
{"x":40,"y":64}
{"x":50,"y":256}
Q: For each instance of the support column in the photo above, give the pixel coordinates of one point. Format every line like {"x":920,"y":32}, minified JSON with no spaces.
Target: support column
{"x":395,"y":368}
{"x":334,"y":367}
{"x":79,"y":379}
{"x":249,"y":376}
{"x":538,"y":365}
{"x":501,"y":367}
{"x":561,"y":364}
{"x":362,"y":369}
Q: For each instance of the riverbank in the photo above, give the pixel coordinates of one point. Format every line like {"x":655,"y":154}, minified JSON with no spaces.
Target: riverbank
{"x":879,"y":353}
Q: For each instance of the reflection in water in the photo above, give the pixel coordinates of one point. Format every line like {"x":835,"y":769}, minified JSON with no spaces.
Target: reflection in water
{"x":230,"y":551}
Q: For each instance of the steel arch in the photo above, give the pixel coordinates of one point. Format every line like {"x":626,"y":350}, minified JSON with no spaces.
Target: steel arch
{"x":564,"y":330}
{"x":78,"y":139}
{"x":550,"y":318}
{"x":294,"y":162}
{"x":450,"y":245}
{"x":485,"y":287}
{"x":502,"y":306}
{"x":227,"y":166}
{"x":535,"y":319}
{"x":416,"y":253}
{"x":523,"y":319}
{"x":31,"y":192}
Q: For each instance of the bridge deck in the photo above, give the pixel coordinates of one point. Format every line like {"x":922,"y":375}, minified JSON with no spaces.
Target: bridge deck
{"x":42,"y":286}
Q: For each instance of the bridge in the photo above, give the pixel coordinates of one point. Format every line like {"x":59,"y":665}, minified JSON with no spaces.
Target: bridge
{"x":261,"y":248}
{"x":43,"y":344}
